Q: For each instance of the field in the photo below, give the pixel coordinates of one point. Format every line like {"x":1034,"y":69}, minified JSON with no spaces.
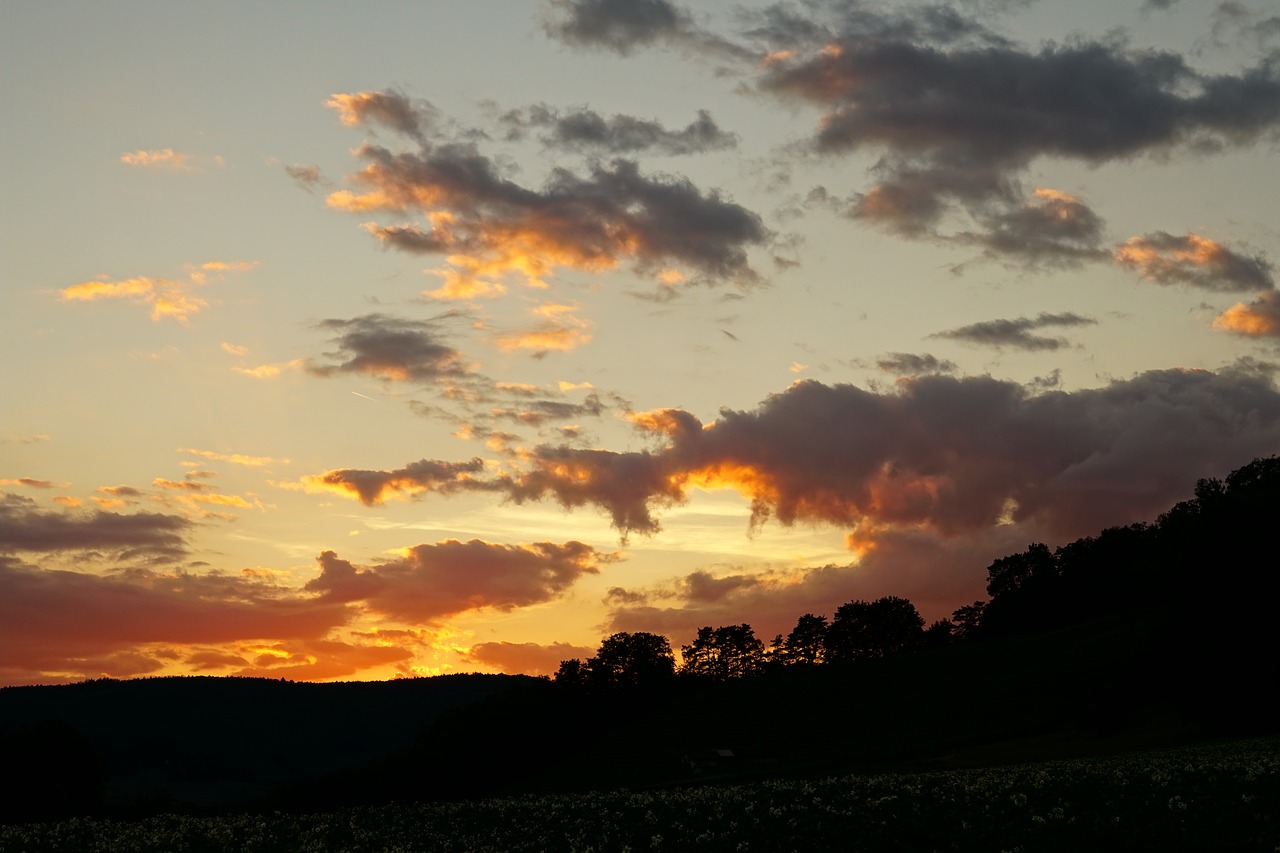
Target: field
{"x":1223,"y":797}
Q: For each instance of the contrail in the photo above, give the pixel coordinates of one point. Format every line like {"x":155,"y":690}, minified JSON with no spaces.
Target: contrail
{"x":358,"y":394}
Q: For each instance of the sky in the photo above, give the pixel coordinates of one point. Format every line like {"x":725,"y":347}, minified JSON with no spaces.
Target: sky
{"x":355,"y":342}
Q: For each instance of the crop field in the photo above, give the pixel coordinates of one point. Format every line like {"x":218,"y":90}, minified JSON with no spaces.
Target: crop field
{"x":1221,"y":798}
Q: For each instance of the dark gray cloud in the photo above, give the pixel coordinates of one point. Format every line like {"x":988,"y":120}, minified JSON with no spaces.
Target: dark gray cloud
{"x":617,"y":25}
{"x":621,"y":26}
{"x":586,"y":130}
{"x":425,"y":475}
{"x":538,"y":412}
{"x":951,"y":454}
{"x":390,"y":348}
{"x":958,"y":114}
{"x":432,"y":582}
{"x":1017,"y":333}
{"x":1050,"y":228}
{"x":1196,"y":261}
{"x":26,"y":527}
{"x":914,"y":364}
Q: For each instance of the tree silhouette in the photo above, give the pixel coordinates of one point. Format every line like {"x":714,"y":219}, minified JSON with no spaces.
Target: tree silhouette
{"x":940,"y":633}
{"x":806,"y":644}
{"x":730,"y":651}
{"x":1032,"y":568}
{"x":639,"y":659}
{"x":874,"y":629}
{"x":572,"y":673}
{"x":968,"y":621}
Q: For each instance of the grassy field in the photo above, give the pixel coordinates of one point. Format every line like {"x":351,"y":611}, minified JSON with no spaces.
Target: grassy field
{"x":1224,"y":797}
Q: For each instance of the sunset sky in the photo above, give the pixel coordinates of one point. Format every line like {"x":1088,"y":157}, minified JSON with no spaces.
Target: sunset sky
{"x":350,"y":342}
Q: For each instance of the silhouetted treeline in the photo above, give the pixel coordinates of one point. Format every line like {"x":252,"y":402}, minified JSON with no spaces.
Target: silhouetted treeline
{"x":1203,"y":568}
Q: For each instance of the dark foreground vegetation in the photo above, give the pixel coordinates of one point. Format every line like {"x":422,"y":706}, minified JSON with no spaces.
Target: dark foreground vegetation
{"x":1223,"y":799}
{"x":1147,"y":637}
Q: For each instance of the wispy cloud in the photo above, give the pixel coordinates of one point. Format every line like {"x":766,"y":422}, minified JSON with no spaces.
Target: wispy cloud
{"x":162,"y":158}
{"x":586,"y":130}
{"x":233,"y":458}
{"x":167,"y":297}
{"x":1018,"y":333}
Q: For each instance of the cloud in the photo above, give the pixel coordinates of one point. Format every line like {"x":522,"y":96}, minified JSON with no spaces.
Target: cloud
{"x":233,"y":458}
{"x":914,"y":364}
{"x":1050,"y":228}
{"x":163,"y":158}
{"x":431,"y":582}
{"x":526,"y":658}
{"x":121,"y":491}
{"x":88,"y":625}
{"x":586,"y":130}
{"x":26,"y":527}
{"x":271,"y":370}
{"x":375,"y":487}
{"x":167,"y":297}
{"x":1194,"y":260}
{"x":29,"y":482}
{"x":487,"y":226}
{"x":616,"y":25}
{"x":37,"y":438}
{"x":309,"y":659}
{"x":1259,"y":319}
{"x":390,"y":348}
{"x":1017,"y":333}
{"x":950,"y":455}
{"x":957,"y":114}
{"x":559,"y":331}
{"x":391,"y":110}
{"x":306,"y":176}
{"x":192,"y":493}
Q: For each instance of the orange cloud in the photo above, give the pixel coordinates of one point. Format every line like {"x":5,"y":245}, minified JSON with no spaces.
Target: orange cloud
{"x":69,"y":623}
{"x":29,"y":482}
{"x":161,"y":158}
{"x":1194,"y":260}
{"x":233,"y":458}
{"x":1258,"y":319}
{"x":167,"y":297}
{"x":271,"y":371}
{"x":560,"y":331}
{"x":487,"y":227}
